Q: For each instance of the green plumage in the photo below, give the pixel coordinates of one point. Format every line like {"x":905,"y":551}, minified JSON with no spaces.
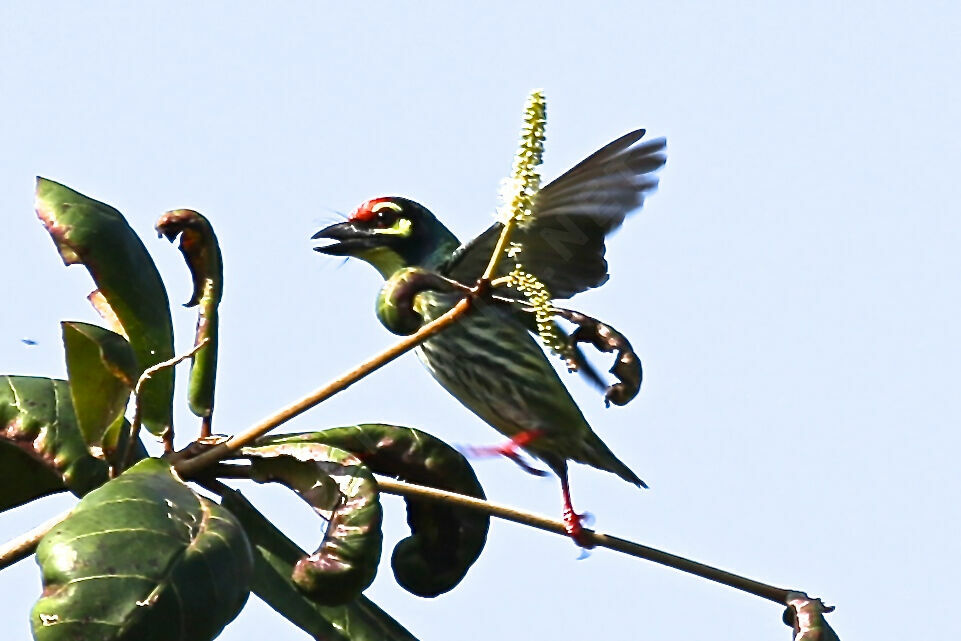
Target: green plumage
{"x":494,"y":366}
{"x":489,"y":360}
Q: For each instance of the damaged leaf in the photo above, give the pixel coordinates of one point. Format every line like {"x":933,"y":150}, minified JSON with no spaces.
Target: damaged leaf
{"x":445,"y":540}
{"x":96,"y":235}
{"x":103,"y":370}
{"x":343,"y":492}
{"x":41,"y":448}
{"x":604,"y":338}
{"x":275,"y":557}
{"x":142,"y":558}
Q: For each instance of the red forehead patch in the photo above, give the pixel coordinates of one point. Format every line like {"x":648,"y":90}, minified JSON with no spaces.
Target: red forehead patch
{"x":366,"y":210}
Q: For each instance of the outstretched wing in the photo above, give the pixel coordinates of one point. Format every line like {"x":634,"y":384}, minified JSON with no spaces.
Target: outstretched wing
{"x":563,"y":245}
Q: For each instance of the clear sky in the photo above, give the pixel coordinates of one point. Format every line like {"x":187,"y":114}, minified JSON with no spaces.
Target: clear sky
{"x":791,"y":288}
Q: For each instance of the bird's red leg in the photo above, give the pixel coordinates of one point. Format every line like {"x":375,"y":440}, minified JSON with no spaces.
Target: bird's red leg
{"x":572,"y":520}
{"x":509,"y":449}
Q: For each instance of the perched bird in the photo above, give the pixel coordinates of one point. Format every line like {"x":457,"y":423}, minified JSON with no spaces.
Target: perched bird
{"x":489,"y":360}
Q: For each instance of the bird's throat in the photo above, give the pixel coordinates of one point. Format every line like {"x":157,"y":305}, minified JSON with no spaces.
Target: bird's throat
{"x":384,"y":259}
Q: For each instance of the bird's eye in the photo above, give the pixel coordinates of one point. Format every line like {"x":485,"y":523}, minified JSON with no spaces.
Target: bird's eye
{"x":386,"y":212}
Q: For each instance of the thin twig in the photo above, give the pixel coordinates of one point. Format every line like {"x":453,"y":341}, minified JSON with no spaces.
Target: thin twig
{"x":138,"y":399}
{"x":763,"y":590}
{"x":206,"y":424}
{"x":499,"y":252}
{"x":26,"y":544}
{"x":191,"y":466}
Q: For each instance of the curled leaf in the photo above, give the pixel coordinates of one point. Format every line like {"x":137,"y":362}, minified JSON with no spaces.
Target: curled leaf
{"x":200,"y":248}
{"x":397,"y":305}
{"x":342,"y":491}
{"x":275,"y":557}
{"x":96,"y":235}
{"x":142,"y":558}
{"x":445,"y":540}
{"x":806,"y":616}
{"x":627,"y":366}
{"x":103,"y":370}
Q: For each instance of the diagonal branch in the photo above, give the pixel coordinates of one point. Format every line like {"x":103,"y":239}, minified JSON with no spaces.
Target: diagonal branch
{"x":24,"y":545}
{"x":191,"y":466}
{"x":763,"y":590}
{"x":499,"y":251}
{"x":524,"y":181}
{"x":138,"y":403}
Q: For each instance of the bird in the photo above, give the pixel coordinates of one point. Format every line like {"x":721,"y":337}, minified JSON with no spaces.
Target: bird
{"x":489,"y":360}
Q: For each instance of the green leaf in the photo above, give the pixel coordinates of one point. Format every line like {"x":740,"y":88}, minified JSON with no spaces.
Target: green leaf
{"x":96,"y":235}
{"x":445,"y":540}
{"x":200,"y":248}
{"x":23,"y":478}
{"x":275,"y":556}
{"x":42,"y":448}
{"x":342,"y":491}
{"x":142,"y":558}
{"x":103,"y":371}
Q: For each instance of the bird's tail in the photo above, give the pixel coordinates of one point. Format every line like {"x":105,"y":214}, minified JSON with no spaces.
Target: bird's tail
{"x":595,"y":453}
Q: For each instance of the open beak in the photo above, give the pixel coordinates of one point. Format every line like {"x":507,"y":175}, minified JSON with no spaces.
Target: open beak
{"x":347,"y":239}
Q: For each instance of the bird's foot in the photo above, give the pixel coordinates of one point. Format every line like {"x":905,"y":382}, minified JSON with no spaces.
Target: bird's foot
{"x":574,"y":525}
{"x":509,"y":450}
{"x":573,"y":522}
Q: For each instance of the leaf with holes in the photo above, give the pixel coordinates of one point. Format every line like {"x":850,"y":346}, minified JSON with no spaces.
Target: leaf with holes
{"x":41,"y":448}
{"x":103,"y":371}
{"x":129,"y":289}
{"x":445,"y":540}
{"x":275,"y":556}
{"x":342,"y":491}
{"x":142,"y":558}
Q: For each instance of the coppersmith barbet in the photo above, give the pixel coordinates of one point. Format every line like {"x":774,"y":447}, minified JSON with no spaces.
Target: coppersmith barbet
{"x":489,"y":360}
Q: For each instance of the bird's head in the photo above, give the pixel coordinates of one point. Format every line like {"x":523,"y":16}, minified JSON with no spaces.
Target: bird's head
{"x":390,"y":233}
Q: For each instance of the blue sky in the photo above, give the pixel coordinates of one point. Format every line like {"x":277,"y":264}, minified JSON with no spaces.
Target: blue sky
{"x":791,"y":288}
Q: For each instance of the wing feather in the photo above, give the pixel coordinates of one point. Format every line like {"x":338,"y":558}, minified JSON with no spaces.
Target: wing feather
{"x":563,"y":245}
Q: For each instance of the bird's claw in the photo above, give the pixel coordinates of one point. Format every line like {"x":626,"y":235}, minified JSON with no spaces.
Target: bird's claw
{"x":574,"y":526}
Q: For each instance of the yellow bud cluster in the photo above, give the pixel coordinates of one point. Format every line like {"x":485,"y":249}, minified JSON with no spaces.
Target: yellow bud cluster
{"x":517,"y":208}
{"x":539,"y":297}
{"x":518,"y":192}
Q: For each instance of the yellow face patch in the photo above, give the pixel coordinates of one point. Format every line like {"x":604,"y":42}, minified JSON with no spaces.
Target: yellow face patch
{"x":401,"y":227}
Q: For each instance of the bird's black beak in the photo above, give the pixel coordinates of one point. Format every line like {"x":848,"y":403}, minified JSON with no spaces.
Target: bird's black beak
{"x":349,"y":239}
